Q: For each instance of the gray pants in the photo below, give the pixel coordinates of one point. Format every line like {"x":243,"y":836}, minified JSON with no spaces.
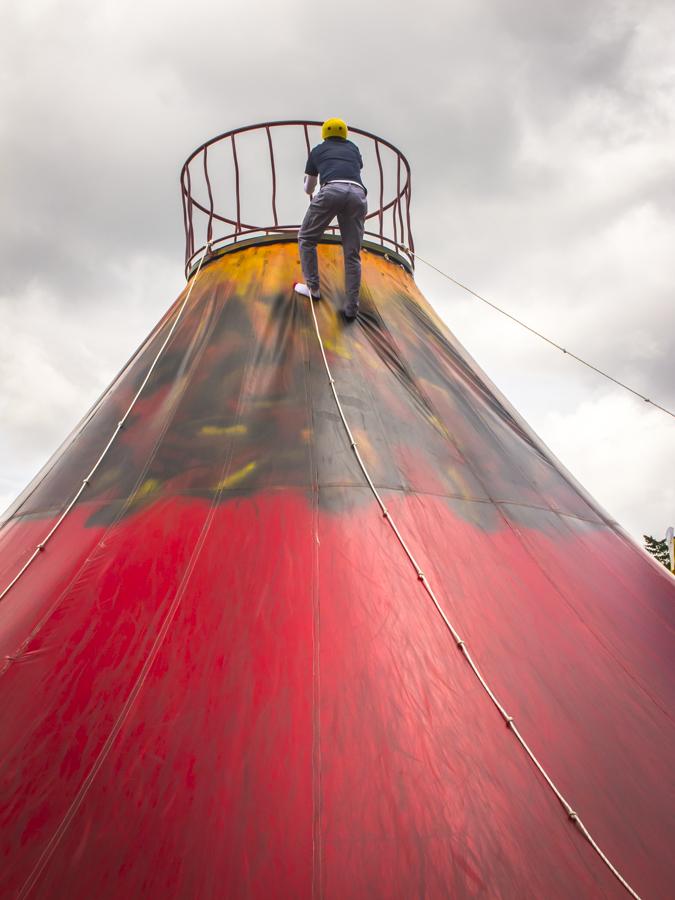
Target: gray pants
{"x":348,"y":203}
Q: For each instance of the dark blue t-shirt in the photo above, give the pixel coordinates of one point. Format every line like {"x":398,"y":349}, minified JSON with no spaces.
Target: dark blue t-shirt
{"x":335,"y":160}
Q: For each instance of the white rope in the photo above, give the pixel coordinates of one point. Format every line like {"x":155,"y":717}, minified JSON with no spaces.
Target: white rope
{"x":572,"y":815}
{"x":120,"y":425}
{"x":538,"y":334}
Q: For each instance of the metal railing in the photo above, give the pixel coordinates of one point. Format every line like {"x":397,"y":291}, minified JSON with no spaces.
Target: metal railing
{"x":215,"y":198}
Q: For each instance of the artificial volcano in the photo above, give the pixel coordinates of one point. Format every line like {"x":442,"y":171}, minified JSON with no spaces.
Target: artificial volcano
{"x":223,"y":677}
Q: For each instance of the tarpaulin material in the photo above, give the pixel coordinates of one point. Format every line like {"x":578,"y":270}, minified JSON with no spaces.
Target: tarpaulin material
{"x":222,"y":678}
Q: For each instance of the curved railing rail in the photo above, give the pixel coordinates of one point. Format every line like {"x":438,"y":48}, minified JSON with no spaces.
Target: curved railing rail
{"x":224,"y":193}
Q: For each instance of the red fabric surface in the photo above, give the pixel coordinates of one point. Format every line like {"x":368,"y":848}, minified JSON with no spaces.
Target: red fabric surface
{"x":222,"y":678}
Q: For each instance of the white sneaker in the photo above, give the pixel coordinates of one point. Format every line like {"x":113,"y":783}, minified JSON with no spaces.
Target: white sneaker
{"x":300,"y":288}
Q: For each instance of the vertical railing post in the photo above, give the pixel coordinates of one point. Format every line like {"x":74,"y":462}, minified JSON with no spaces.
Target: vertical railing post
{"x":399,"y":193}
{"x":395,"y":204}
{"x":185,"y":221}
{"x":191,"y":230}
{"x":411,"y":243}
{"x":209,"y":227}
{"x":236,"y":179}
{"x":274,"y":177}
{"x":381,"y":214}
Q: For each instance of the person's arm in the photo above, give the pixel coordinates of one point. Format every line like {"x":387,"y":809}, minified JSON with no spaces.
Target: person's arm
{"x":311,"y":174}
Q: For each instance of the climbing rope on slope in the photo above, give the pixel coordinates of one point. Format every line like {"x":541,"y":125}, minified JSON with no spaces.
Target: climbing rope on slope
{"x":120,"y":425}
{"x":460,"y":644}
{"x":539,"y":335}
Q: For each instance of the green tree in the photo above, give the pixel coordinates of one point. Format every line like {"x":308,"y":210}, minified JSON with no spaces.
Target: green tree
{"x":658,"y":549}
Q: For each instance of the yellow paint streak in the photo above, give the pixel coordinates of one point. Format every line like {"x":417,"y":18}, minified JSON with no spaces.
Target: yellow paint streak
{"x":235,"y":477}
{"x":148,"y":487}
{"x":460,"y":483}
{"x":333,"y":340}
{"x":438,"y":425}
{"x":365,"y":447}
{"x":211,"y":430}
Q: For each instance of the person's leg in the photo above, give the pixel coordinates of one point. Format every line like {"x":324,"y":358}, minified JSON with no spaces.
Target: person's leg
{"x":351,"y":220}
{"x":317,"y":219}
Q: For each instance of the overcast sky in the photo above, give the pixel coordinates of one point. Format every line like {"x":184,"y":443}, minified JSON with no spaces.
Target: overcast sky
{"x":541,"y":136}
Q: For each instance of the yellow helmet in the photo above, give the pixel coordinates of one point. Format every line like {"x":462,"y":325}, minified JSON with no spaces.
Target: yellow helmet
{"x":334,"y":128}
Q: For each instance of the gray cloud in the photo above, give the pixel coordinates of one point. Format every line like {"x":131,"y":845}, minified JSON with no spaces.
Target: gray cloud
{"x":541,"y":142}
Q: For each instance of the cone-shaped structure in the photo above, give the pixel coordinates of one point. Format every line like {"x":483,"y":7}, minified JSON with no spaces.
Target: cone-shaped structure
{"x":223,"y":677}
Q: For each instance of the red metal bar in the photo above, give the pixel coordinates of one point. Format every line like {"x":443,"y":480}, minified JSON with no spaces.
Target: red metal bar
{"x":398,"y":196}
{"x":381,"y":211}
{"x":393,"y":209}
{"x":209,"y":227}
{"x":236,"y":171}
{"x":411,"y":243}
{"x":286,"y":122}
{"x":183,"y":195}
{"x":274,"y":177}
{"x":191,"y":234}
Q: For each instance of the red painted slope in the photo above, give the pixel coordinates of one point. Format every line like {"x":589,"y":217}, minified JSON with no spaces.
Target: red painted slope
{"x":225,"y":680}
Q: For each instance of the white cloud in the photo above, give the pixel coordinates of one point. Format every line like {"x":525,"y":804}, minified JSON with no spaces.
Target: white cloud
{"x":626,"y":451}
{"x":541,"y":142}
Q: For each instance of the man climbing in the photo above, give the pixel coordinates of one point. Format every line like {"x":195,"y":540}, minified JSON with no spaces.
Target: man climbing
{"x":338,"y":163}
